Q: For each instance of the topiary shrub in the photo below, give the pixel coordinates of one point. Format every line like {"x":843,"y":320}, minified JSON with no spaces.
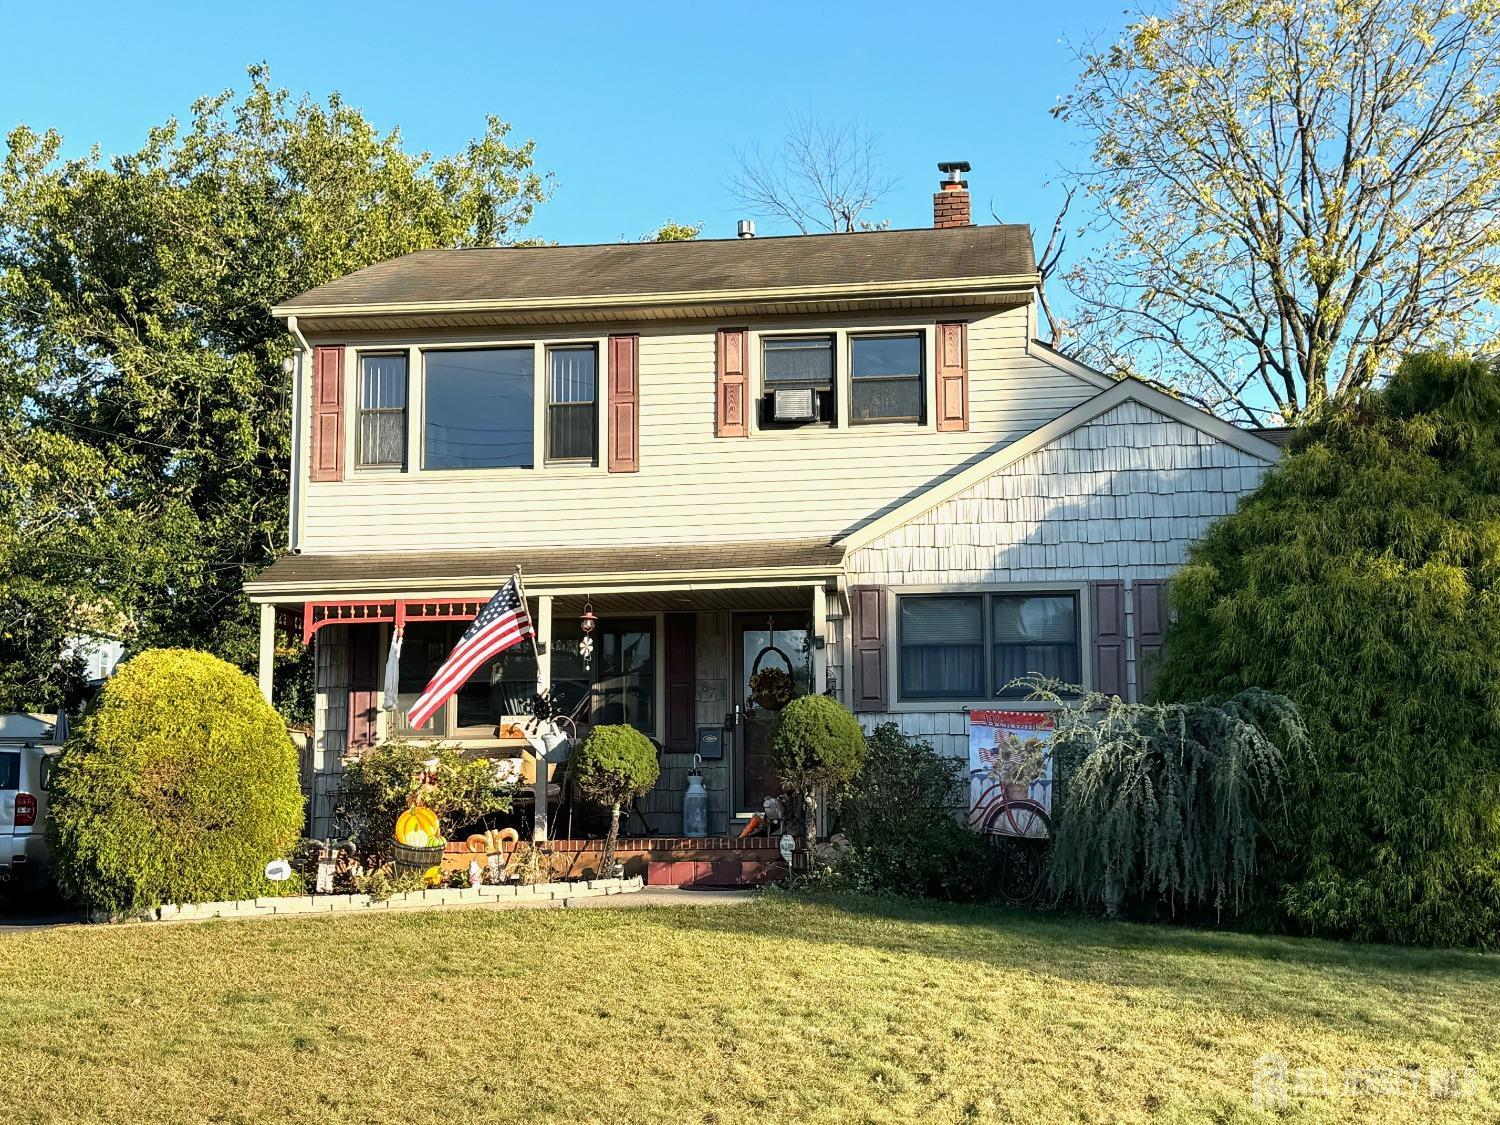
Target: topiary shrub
{"x":1362,"y":580}
{"x":179,"y":786}
{"x":615,"y":764}
{"x":816,"y":743}
{"x":900,"y":814}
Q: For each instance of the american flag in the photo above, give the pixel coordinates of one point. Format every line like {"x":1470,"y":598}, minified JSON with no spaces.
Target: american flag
{"x":502,"y":623}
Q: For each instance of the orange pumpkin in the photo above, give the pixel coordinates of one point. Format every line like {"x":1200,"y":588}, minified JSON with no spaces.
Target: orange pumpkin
{"x":416,"y":819}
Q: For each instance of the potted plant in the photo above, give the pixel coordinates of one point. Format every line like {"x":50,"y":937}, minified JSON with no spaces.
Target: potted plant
{"x":615,"y":764}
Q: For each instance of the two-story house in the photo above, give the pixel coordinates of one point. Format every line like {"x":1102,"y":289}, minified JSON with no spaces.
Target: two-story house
{"x":844,"y":455}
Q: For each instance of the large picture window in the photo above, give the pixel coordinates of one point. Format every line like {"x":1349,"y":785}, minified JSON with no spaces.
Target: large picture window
{"x":478,"y":408}
{"x":382,"y":410}
{"x":886,"y":377}
{"x":572,"y":404}
{"x":972,"y":646}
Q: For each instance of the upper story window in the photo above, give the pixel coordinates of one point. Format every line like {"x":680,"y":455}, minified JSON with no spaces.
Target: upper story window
{"x":382,"y":410}
{"x":972,"y":646}
{"x":886,"y":378}
{"x":478,"y":408}
{"x":572,"y":404}
{"x":797,"y":381}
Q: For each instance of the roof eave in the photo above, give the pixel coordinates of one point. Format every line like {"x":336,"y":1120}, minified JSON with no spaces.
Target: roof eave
{"x":593,"y":582}
{"x":923,"y":288}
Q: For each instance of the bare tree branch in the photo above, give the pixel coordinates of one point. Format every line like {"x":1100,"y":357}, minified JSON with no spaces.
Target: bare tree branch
{"x":822,"y":177}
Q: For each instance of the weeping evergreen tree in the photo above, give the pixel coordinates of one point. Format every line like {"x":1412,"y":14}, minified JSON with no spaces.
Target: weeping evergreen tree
{"x":1363,"y":581}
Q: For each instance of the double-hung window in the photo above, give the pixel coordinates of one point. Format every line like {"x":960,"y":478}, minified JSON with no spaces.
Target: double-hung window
{"x":972,"y":646}
{"x":572,"y":404}
{"x":797,"y":381}
{"x":382,"y":410}
{"x":477,"y":410}
{"x":886,"y":378}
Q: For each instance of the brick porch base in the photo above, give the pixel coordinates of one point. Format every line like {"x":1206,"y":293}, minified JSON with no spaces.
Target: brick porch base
{"x":678,"y":861}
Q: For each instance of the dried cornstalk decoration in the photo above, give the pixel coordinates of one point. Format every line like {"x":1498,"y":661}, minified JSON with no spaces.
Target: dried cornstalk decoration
{"x":1290,"y":194}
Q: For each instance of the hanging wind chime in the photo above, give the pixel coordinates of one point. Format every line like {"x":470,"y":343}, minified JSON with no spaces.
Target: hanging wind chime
{"x":587,"y":622}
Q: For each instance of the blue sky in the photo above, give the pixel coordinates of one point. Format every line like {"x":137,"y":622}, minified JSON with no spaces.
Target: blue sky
{"x":636,"y":107}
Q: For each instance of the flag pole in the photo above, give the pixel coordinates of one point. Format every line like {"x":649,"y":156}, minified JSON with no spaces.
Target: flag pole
{"x":521,"y":593}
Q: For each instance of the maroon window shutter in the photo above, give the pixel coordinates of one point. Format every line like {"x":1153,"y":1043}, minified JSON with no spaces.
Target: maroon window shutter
{"x":1107,"y":624}
{"x":1150,"y":624}
{"x":953,"y":376}
{"x":624,"y":404}
{"x":682,"y":716}
{"x":364,"y":685}
{"x":731,"y":418}
{"x":328,"y":414}
{"x":867,"y":646}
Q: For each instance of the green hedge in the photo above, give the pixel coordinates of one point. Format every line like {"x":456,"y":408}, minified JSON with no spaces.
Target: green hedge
{"x":1363,"y":581}
{"x":179,"y":786}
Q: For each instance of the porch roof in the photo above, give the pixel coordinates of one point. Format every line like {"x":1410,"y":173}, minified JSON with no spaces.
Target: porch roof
{"x":546,"y":568}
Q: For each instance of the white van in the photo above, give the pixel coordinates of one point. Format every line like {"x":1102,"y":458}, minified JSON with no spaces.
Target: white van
{"x":27,"y":752}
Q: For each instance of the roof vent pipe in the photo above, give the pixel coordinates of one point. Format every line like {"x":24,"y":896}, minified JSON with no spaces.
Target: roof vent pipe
{"x":747,"y":228}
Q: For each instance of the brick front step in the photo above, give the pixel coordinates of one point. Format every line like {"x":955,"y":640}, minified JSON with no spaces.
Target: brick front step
{"x":714,"y":873}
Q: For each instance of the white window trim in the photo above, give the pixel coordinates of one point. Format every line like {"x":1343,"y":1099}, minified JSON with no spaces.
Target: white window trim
{"x":352,"y":395}
{"x":896,"y":705}
{"x":416,"y":383}
{"x":843,"y":380}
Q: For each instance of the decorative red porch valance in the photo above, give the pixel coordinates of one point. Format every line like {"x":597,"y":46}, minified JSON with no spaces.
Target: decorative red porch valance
{"x":383,"y":612}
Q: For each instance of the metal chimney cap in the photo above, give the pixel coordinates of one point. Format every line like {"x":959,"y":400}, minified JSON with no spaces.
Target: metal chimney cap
{"x":747,"y":228}
{"x":952,"y":167}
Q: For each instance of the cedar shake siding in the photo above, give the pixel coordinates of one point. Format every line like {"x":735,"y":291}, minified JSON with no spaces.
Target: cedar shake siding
{"x":1106,"y":510}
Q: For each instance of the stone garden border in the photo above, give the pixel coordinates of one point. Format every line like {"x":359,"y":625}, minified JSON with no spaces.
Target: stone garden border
{"x":433,"y":899}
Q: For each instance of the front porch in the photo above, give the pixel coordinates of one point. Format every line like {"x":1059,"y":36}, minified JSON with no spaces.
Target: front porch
{"x":674,"y":650}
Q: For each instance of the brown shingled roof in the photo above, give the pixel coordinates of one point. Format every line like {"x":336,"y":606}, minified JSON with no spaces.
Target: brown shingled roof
{"x":626,"y":269}
{"x":493,"y":567}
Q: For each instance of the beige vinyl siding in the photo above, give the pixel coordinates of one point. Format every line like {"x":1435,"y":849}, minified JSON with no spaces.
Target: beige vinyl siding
{"x":1119,"y":498}
{"x":811,"y":482}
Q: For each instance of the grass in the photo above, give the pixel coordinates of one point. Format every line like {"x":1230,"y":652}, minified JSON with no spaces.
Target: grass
{"x":781,"y":1010}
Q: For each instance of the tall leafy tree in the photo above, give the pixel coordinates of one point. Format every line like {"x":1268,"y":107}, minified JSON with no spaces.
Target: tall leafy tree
{"x":145,"y":440}
{"x":1290,"y":193}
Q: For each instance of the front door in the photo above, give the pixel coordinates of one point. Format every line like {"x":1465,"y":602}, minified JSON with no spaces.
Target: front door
{"x":781,"y":641}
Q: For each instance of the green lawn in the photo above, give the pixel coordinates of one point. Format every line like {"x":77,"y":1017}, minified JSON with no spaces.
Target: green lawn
{"x":775,"y":1011}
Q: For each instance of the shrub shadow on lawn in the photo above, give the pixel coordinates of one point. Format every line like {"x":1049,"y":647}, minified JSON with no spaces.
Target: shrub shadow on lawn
{"x":1290,"y":977}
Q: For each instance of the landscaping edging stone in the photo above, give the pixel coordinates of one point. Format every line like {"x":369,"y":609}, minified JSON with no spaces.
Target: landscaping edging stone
{"x":433,"y":899}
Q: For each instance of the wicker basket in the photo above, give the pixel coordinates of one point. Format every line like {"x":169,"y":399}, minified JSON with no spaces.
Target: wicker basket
{"x":409,"y":858}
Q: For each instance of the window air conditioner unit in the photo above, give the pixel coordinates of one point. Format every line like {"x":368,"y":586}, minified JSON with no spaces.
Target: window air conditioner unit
{"x":795,"y":404}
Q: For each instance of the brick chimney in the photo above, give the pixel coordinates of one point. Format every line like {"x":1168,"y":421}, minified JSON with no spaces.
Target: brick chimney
{"x":950,"y":206}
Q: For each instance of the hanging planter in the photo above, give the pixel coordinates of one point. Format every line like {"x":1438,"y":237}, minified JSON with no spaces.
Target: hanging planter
{"x":771,"y":689}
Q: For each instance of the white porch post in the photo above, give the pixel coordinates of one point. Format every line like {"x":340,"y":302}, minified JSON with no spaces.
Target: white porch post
{"x":267,"y":664}
{"x":543,"y":682}
{"x":820,"y":629}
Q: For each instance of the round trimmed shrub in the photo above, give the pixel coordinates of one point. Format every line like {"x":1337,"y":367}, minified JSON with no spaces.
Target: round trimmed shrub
{"x":614,"y":764}
{"x":817,"y":742}
{"x":180,"y":786}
